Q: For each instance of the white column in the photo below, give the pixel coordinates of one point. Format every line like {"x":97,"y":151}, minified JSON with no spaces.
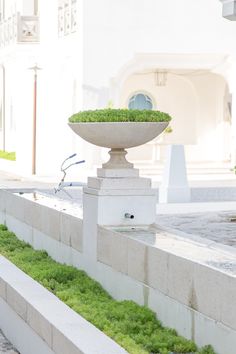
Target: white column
{"x":229,"y":9}
{"x":231,"y":80}
{"x":233,"y":128}
{"x":174,"y":187}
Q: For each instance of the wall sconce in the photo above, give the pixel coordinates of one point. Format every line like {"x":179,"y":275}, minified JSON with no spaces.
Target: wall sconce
{"x":160,"y":77}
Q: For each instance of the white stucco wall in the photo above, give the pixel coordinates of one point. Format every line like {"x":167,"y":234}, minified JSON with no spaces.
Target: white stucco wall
{"x":115,"y":30}
{"x":84,"y":70}
{"x":212,"y":130}
{"x":59,"y":93}
{"x":25,"y":7}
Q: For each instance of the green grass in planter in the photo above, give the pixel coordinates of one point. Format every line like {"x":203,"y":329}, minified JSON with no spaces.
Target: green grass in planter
{"x":134,"y":327}
{"x":7,"y":155}
{"x":119,"y":115}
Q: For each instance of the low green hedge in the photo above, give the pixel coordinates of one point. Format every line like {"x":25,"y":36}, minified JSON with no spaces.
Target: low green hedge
{"x":119,"y":115}
{"x":134,"y":327}
{"x":7,"y":155}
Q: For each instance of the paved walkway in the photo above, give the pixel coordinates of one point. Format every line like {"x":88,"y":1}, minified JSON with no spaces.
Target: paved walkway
{"x":10,"y":180}
{"x":5,"y":346}
{"x":218,"y":226}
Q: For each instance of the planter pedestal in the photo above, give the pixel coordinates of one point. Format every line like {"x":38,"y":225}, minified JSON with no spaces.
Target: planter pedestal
{"x":117,"y":173}
{"x":117,"y":196}
{"x":117,"y":160}
{"x":115,"y":200}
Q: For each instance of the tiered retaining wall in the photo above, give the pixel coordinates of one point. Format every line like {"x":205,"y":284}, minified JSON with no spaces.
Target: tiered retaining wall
{"x":168,"y":274}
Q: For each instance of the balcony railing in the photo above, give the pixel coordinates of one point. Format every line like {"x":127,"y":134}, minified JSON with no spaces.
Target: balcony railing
{"x":19,"y":29}
{"x":8,"y":31}
{"x":67,"y":17}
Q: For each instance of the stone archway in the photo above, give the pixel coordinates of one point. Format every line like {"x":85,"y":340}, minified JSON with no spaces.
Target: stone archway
{"x":195,"y":97}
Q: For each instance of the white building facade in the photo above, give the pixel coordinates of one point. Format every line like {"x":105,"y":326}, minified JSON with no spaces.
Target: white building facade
{"x":174,"y":56}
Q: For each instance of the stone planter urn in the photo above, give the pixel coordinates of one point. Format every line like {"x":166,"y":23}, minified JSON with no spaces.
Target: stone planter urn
{"x":117,"y":195}
{"x":119,"y":135}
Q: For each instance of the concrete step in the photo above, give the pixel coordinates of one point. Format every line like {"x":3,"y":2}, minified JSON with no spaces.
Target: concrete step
{"x":201,"y":168}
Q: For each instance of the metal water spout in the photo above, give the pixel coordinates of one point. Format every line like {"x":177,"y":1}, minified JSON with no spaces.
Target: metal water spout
{"x":129,"y":216}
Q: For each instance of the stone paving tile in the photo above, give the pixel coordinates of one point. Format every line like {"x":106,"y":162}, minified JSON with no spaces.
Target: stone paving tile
{"x":215,"y":226}
{"x":5,"y":346}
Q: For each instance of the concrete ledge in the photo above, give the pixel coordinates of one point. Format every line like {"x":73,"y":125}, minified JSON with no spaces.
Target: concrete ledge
{"x":188,"y":322}
{"x":174,"y":277}
{"x":53,"y":326}
{"x":56,"y":222}
{"x":19,"y":333}
{"x":167,"y":273}
{"x":179,"y":268}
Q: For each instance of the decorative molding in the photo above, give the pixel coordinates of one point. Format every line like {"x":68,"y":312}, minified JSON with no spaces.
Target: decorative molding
{"x":28,"y":29}
{"x":8,"y":31}
{"x":74,"y":15}
{"x":19,"y":29}
{"x":61,"y":20}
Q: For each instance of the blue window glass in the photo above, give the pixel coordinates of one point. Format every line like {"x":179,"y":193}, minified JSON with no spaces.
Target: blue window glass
{"x":140,"y":101}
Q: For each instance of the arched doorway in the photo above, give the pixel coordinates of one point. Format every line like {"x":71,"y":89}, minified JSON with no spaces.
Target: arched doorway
{"x":196,"y":99}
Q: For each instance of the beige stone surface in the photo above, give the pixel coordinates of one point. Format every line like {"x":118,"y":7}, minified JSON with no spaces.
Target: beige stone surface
{"x":3,"y":292}
{"x":104,"y":246}
{"x":51,"y":222}
{"x":39,"y":324}
{"x":23,"y":230}
{"x":16,"y":302}
{"x":3,"y":200}
{"x":119,"y":253}
{"x":37,"y":217}
{"x":228,"y":293}
{"x":75,"y":228}
{"x":157,"y":269}
{"x":116,"y":172}
{"x":119,"y":183}
{"x":62,"y":345}
{"x":118,"y":134}
{"x":14,"y":205}
{"x":208,"y":288}
{"x":208,"y":331}
{"x":180,"y":284}
{"x":137,"y":260}
{"x":65,"y":229}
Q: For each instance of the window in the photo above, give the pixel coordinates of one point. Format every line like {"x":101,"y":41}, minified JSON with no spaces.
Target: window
{"x":140,"y":101}
{"x":67,"y":17}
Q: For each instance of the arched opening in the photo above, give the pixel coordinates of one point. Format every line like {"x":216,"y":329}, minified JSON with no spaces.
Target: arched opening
{"x":196,"y":100}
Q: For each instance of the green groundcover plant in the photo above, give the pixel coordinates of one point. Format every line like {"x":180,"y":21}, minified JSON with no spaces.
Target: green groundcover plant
{"x":134,"y":327}
{"x":119,"y":115}
{"x":7,"y":155}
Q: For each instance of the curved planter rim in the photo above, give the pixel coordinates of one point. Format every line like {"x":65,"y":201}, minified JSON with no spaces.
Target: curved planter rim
{"x":118,"y":136}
